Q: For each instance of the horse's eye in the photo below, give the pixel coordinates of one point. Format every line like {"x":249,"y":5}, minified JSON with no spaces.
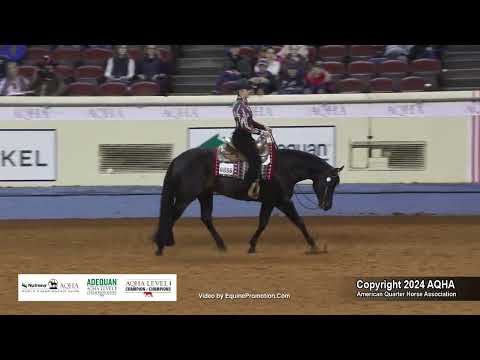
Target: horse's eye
{"x":329,"y":179}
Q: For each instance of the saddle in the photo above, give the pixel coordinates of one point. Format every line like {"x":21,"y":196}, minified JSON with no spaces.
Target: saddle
{"x":230,"y":162}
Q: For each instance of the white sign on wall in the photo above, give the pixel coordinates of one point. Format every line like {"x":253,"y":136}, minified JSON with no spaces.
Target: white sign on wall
{"x":28,"y":155}
{"x":317,"y":140}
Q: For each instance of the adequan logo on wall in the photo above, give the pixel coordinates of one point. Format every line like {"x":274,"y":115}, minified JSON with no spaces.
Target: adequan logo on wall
{"x":102,"y":286}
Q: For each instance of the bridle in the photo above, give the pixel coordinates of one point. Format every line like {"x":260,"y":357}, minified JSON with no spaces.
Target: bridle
{"x":329,"y":180}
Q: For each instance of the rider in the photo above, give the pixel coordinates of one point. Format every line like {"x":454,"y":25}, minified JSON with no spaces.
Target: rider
{"x":242,"y":137}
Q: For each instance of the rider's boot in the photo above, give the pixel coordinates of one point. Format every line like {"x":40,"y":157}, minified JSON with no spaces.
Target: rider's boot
{"x":254,"y":190}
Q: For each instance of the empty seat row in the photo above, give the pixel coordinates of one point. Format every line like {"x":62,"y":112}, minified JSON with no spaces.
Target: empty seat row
{"x":354,"y":85}
{"x":142,"y":88}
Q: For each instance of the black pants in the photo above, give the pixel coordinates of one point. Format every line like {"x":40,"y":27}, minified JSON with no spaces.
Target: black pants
{"x":244,"y":143}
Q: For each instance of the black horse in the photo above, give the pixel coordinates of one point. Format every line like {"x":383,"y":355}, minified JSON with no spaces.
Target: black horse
{"x":190,"y":176}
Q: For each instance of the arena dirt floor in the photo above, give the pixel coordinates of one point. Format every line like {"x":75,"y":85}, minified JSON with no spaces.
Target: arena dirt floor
{"x":359,"y":246}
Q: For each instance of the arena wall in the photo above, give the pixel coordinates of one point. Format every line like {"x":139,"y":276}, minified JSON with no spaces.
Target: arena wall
{"x":60,"y":150}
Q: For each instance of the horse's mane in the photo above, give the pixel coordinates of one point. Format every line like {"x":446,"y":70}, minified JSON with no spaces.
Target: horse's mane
{"x":312,"y":161}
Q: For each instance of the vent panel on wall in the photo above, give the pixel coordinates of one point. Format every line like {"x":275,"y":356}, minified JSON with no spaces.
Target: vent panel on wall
{"x":134,"y":158}
{"x":388,"y":155}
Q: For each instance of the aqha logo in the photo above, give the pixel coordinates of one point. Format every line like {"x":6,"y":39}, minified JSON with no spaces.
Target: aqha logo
{"x":148,"y":294}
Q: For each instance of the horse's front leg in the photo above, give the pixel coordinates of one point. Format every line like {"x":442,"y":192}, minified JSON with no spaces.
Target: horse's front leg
{"x":288,"y":208}
{"x":265,"y":213}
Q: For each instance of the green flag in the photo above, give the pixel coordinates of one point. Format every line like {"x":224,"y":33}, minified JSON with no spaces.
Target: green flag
{"x":214,"y":142}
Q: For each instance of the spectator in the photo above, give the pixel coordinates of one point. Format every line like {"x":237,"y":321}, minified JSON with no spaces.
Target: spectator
{"x":398,"y":52}
{"x":154,"y":68}
{"x":292,"y":82}
{"x":235,"y":68}
{"x":100,"y":46}
{"x":424,"y":52}
{"x":3,"y":62}
{"x":273,"y":63}
{"x":263,"y":81}
{"x":318,"y":80}
{"x":13,"y":84}
{"x":120,"y":67}
{"x":47,"y":82}
{"x":294,"y":51}
{"x":13,"y":52}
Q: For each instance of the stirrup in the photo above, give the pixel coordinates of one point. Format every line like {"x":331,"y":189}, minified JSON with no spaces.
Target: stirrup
{"x":254,"y":191}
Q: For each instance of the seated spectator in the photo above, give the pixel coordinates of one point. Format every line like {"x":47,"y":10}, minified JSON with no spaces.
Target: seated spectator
{"x":273,"y":64}
{"x":13,"y":84}
{"x":292,"y":82}
{"x":13,"y":52}
{"x":263,"y":81}
{"x":154,"y":68}
{"x":294,"y":51}
{"x":100,"y":46}
{"x":47,"y":82}
{"x":398,"y":52}
{"x":3,"y":62}
{"x":318,"y":80}
{"x":120,"y":67}
{"x":235,"y":68}
{"x":423,"y":52}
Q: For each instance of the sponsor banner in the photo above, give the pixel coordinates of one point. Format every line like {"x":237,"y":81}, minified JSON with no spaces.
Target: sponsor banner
{"x":97,"y":287}
{"x":317,"y":140}
{"x":28,"y":155}
{"x":192,"y":112}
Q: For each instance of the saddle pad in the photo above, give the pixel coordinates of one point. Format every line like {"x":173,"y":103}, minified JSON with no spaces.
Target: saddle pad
{"x":238,"y":169}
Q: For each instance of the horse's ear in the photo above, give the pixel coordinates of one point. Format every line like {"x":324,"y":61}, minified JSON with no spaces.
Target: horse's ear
{"x":338,"y":170}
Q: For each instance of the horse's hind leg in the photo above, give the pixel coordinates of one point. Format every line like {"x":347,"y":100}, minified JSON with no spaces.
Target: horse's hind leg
{"x":265,"y":213}
{"x":206,"y":205}
{"x":288,"y":208}
{"x":179,"y":208}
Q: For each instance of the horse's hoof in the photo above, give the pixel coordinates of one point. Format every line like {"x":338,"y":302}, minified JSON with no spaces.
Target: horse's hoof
{"x":159,"y":252}
{"x":251,"y":251}
{"x":313,"y":251}
{"x":222,"y":249}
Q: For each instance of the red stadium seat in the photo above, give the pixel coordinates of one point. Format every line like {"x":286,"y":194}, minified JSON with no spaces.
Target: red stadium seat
{"x":336,"y":69}
{"x":67,"y":56}
{"x":97,"y":56}
{"x":351,"y":85}
{"x":426,"y":66}
{"x":381,"y":85}
{"x":395,"y":70}
{"x":429,"y":69}
{"x":380,"y":49}
{"x":81,"y":89}
{"x":362,"y":52}
{"x":412,"y":83}
{"x":112,"y":89}
{"x":145,"y":88}
{"x":165,"y":54}
{"x":35,"y":55}
{"x":89,"y":73}
{"x":332,"y":52}
{"x":27,"y":71}
{"x":393,"y":67}
{"x":364,"y":70}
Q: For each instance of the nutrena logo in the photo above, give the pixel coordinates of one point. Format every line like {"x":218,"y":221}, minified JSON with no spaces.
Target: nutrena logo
{"x":214,"y":142}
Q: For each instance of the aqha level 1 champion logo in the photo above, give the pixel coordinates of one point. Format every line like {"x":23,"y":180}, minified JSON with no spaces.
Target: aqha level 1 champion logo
{"x":102,"y":286}
{"x":148,"y":287}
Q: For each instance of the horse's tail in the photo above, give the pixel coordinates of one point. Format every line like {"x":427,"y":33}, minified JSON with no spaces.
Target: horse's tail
{"x":162,"y":237}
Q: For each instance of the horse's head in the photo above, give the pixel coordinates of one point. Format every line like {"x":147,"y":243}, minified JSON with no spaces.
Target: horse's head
{"x":324,"y":186}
